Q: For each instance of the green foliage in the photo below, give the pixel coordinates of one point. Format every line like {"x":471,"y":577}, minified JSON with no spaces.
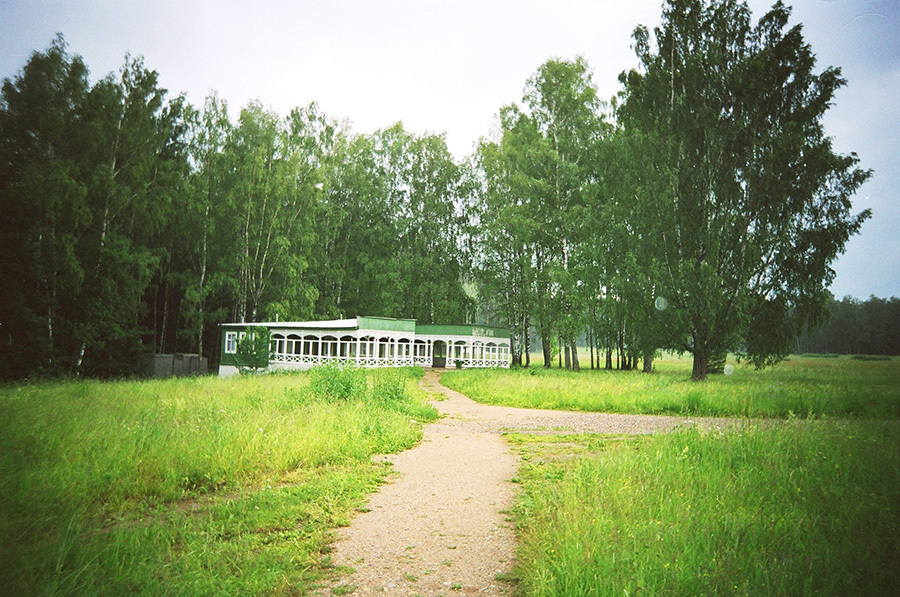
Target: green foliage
{"x":856,"y":327}
{"x":88,"y":175}
{"x":798,"y":508}
{"x":392,"y":229}
{"x":563,"y":222}
{"x":389,"y":386}
{"x":254,"y":349}
{"x":716,"y":364}
{"x":186,"y":486}
{"x":748,"y":211}
{"x":536,"y":202}
{"x":290,"y":216}
{"x":334,"y":381}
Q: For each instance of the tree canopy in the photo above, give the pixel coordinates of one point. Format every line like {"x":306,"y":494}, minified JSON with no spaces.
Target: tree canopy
{"x":754,"y":204}
{"x":135,"y":222}
{"x":700,"y":210}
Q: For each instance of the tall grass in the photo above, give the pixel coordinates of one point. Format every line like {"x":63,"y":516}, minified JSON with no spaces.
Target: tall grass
{"x":189,"y":485}
{"x":800,"y":386}
{"x":804,"y":508}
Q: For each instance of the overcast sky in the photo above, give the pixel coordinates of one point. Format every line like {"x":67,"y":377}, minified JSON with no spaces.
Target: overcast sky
{"x":448,"y":66}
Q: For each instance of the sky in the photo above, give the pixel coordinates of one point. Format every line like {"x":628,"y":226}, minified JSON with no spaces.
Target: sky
{"x":448,"y":66}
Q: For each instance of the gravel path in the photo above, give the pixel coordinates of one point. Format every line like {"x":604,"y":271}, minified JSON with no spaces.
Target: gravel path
{"x":440,"y":528}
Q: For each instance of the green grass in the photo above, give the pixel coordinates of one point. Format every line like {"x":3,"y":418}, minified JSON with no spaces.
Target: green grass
{"x":799,"y":386}
{"x":798,"y":508}
{"x":190,"y":486}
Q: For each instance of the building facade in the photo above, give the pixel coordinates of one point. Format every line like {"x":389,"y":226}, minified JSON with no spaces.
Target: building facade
{"x":372,"y":342}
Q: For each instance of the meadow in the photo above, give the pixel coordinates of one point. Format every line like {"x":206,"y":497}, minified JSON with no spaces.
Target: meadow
{"x":800,"y":386}
{"x":806,"y":505}
{"x":803,"y":508}
{"x":192,"y":486}
{"x":235,"y":486}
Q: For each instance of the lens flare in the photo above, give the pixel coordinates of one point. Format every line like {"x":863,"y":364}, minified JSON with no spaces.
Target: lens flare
{"x":661,"y":303}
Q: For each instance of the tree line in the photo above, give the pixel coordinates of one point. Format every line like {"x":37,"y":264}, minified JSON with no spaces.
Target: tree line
{"x":697,"y":211}
{"x":135,"y":222}
{"x":870,"y":327}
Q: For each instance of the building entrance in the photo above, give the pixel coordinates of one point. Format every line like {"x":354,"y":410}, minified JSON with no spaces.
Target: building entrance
{"x":439,"y":354}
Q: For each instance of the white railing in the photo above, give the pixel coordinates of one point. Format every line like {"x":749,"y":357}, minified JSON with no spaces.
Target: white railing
{"x":362,"y":361}
{"x":387,"y":361}
{"x":480,"y":363}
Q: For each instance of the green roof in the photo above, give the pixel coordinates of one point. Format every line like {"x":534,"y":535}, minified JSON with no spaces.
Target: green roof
{"x":386,"y":324}
{"x":484,"y":331}
{"x":382,"y":324}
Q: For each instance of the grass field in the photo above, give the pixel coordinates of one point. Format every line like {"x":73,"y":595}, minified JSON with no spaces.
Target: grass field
{"x":806,"y":506}
{"x":802,"y":508}
{"x":800,"y":386}
{"x":191,"y":486}
{"x":207,"y":486}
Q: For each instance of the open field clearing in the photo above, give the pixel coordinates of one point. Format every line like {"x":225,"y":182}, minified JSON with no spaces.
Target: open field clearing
{"x":800,"y":386}
{"x":192,"y":486}
{"x":235,"y":486}
{"x":808,"y":506}
{"x":804,"y":508}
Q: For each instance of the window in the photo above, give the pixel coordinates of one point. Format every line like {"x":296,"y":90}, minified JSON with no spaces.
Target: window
{"x":278,"y":344}
{"x":329,"y":346}
{"x":230,"y":342}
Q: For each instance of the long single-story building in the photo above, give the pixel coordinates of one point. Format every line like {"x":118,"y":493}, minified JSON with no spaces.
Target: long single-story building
{"x":372,"y":342}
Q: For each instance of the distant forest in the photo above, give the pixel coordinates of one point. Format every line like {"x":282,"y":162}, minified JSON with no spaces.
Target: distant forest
{"x":856,"y":327}
{"x":698,"y":211}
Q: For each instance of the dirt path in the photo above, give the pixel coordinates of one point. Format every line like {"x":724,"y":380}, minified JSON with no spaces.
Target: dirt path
{"x":441,"y":527}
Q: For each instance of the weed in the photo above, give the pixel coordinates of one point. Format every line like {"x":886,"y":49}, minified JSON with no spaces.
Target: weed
{"x":509,"y":577}
{"x":335,"y":381}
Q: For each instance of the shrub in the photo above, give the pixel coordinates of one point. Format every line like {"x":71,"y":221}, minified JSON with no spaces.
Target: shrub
{"x":334,"y":382}
{"x":253,"y":350}
{"x":388,"y":385}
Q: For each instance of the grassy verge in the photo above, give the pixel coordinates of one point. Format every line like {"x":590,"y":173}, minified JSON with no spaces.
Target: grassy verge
{"x":800,"y":386}
{"x":191,"y":486}
{"x":802,"y":508}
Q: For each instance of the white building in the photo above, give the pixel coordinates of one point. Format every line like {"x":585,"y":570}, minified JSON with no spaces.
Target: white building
{"x":372,"y":342}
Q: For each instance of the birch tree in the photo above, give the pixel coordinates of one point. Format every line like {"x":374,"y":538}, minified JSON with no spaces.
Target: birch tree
{"x":758,"y":204}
